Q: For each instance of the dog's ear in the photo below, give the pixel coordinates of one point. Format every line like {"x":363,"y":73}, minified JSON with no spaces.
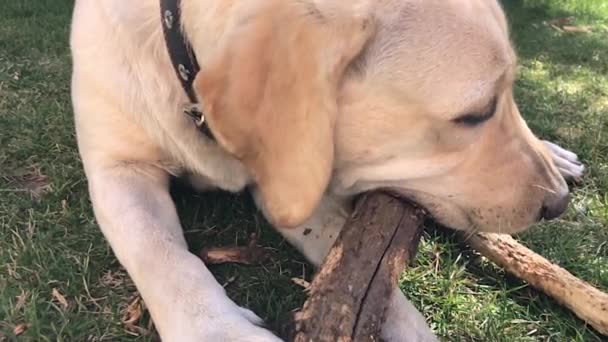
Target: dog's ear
{"x":270,"y":97}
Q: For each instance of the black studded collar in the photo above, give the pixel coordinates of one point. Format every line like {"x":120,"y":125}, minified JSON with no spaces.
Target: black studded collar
{"x":183,"y":59}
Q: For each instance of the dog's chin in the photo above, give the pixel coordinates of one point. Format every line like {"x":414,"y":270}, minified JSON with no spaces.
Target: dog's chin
{"x":453,"y":216}
{"x":459,"y":220}
{"x":449,"y":214}
{"x":462,"y":221}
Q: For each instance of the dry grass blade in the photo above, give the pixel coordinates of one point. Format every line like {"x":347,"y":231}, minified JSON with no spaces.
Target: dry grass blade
{"x":132,"y":315}
{"x":31,"y":180}
{"x":566,"y":24}
{"x":302,"y":283}
{"x":577,"y":29}
{"x":251,"y":254}
{"x":21,"y":328}
{"x":59,"y":298}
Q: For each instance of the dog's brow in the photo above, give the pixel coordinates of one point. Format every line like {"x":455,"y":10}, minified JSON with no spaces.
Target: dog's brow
{"x":479,"y":117}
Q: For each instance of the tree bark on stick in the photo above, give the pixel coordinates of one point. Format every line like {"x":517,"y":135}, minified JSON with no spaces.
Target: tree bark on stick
{"x":349,"y":295}
{"x":586,"y":301}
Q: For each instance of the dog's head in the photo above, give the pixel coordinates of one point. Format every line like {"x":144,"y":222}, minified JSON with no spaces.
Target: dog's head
{"x":415,"y":96}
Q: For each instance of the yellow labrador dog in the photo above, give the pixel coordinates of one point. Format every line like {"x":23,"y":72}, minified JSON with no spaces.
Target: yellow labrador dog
{"x":309,"y":102}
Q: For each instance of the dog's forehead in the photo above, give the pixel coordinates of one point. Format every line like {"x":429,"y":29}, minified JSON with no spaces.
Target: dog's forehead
{"x":453,"y":52}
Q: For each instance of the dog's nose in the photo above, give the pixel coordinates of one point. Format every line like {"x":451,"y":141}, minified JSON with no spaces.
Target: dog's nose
{"x":554,"y":206}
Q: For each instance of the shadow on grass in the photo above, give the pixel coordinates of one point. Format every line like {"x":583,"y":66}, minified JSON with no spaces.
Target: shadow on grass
{"x":485,"y":274}
{"x":562,"y":86}
{"x":535,"y":40}
{"x":216,"y":219}
{"x":562,"y":108}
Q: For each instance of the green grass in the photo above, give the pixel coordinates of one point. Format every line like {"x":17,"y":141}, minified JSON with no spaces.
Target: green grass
{"x":49,"y":238}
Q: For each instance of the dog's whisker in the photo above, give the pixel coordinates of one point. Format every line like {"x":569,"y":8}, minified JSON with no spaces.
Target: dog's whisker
{"x":544,"y":188}
{"x":473,"y":230}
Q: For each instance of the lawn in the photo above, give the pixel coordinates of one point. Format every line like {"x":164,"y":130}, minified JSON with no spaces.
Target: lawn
{"x":59,"y":281}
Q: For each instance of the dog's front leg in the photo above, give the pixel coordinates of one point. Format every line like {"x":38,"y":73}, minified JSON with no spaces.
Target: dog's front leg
{"x":137,"y":216}
{"x":315,"y":237}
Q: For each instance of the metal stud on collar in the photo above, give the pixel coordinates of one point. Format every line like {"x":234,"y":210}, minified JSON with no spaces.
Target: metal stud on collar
{"x":183,"y":72}
{"x":199,"y":117}
{"x":168,"y":19}
{"x":193,"y":111}
{"x":183,"y":60}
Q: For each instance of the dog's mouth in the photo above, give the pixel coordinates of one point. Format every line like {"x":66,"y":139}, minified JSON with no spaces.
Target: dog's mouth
{"x":405,"y":196}
{"x":444,"y":213}
{"x":449,"y":213}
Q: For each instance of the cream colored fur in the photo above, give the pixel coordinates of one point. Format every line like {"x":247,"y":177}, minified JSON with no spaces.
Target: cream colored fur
{"x":312,"y":101}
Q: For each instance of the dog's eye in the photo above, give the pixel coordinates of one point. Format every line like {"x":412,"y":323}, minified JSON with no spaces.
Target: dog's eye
{"x":471,"y":119}
{"x":475,"y":119}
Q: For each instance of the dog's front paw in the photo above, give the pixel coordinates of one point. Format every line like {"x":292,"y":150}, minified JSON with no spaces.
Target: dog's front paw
{"x":566,"y":162}
{"x":224,"y":321}
{"x":243,"y":326}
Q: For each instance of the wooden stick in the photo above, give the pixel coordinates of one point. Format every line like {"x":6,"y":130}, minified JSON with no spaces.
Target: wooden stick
{"x":586,"y":301}
{"x":349,"y":295}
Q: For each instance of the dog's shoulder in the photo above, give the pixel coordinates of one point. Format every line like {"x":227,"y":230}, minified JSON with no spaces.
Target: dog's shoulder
{"x":128,"y":102}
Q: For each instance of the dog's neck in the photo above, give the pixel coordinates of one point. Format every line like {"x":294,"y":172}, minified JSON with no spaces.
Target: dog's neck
{"x":183,"y":59}
{"x":205,"y":24}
